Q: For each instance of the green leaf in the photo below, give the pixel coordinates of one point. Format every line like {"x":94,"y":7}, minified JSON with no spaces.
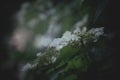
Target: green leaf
{"x":71,"y":77}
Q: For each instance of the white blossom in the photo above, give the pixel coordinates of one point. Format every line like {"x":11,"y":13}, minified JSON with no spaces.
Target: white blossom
{"x":53,"y":59}
{"x":67,"y":36}
{"x":97,"y":31}
{"x":84,"y":29}
{"x":27,"y":66}
{"x":77,"y":30}
{"x":58,"y":43}
{"x":45,"y":39}
{"x":64,"y":40}
{"x":39,"y":54}
{"x":81,"y":22}
{"x":80,"y":30}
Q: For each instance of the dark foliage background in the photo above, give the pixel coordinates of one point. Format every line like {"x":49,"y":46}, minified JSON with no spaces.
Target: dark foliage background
{"x":111,"y":23}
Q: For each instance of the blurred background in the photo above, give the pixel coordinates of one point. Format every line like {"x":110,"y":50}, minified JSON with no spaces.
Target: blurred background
{"x":28,"y":26}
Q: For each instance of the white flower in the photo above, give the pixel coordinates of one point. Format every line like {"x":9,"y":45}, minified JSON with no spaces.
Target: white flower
{"x":80,"y":30}
{"x":82,"y":22}
{"x":58,"y":43}
{"x":61,"y":42}
{"x":53,"y":59}
{"x":84,"y":29}
{"x":28,"y":66}
{"x":67,"y":36}
{"x":97,"y":31}
{"x":39,"y":54}
{"x":77,"y":29}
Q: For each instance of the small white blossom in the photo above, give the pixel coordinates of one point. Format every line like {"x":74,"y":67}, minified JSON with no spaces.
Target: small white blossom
{"x":84,"y":29}
{"x":82,"y":22}
{"x":39,"y":54}
{"x":26,"y":67}
{"x":66,"y":36}
{"x":97,"y":31}
{"x":58,"y":43}
{"x":77,"y":29}
{"x":64,"y":40}
{"x":80,"y":30}
{"x":53,"y":59}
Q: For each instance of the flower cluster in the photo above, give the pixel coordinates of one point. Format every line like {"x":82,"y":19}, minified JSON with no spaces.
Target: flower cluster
{"x":63,"y":41}
{"x":51,"y":54}
{"x":77,"y":35}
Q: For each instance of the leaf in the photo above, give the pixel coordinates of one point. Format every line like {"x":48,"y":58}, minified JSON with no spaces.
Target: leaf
{"x":71,"y":77}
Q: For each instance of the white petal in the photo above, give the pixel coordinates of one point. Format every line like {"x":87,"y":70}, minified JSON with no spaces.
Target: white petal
{"x":84,"y":29}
